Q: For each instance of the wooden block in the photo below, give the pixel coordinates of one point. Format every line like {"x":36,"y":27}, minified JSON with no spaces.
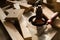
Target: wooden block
{"x":3,"y":33}
{"x":16,"y":6}
{"x":15,"y":14}
{"x":13,"y":32}
{"x":49,"y":13}
{"x":9,"y":11}
{"x":25,"y":31}
{"x":25,"y":6}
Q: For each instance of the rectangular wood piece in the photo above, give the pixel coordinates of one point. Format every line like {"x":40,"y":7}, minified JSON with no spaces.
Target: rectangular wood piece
{"x":49,"y":13}
{"x":25,"y":31}
{"x":12,"y":31}
{"x":15,"y":14}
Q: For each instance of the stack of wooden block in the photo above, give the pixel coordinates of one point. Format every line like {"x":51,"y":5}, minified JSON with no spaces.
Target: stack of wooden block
{"x":12,"y":19}
{"x":15,"y":23}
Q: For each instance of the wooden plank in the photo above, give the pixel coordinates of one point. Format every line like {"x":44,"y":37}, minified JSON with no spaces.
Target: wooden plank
{"x":25,"y":31}
{"x":9,"y":10}
{"x":22,"y":4}
{"x":25,"y":6}
{"x":15,"y":14}
{"x":3,"y":33}
{"x":49,"y":13}
{"x":13,"y":32}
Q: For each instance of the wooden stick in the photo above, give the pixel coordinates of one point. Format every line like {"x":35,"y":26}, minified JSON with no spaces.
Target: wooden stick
{"x":13,"y":32}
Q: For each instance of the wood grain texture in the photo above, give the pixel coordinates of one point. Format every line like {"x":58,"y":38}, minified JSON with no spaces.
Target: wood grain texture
{"x":25,"y":31}
{"x":13,"y":32}
{"x":49,"y":13}
{"x":15,"y":14}
{"x":25,"y":6}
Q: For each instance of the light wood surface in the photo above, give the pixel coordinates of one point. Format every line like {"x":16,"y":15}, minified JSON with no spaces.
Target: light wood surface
{"x":49,"y":13}
{"x":25,"y":31}
{"x":15,"y":14}
{"x":25,"y":6}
